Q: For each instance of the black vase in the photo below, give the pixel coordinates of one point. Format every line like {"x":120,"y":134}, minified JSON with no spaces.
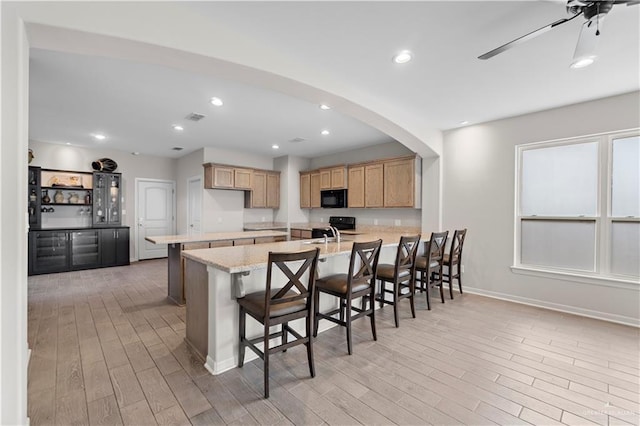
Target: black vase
{"x":45,"y":197}
{"x":104,"y":165}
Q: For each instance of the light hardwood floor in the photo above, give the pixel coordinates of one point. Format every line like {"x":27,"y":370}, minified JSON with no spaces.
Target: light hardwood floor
{"x":107,"y":348}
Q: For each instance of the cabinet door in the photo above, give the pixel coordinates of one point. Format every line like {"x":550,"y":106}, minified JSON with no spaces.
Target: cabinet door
{"x":223,"y":177}
{"x":325,"y":179}
{"x":107,"y":196}
{"x":373,"y":185}
{"x":315,"y":190}
{"x":338,"y":178}
{"x":242,"y":178}
{"x":305,"y":190}
{"x":273,"y":190}
{"x":114,"y":245}
{"x":259,"y":192}
{"x":399,"y":181}
{"x":48,"y":251}
{"x":85,"y":249}
{"x":356,"y":187}
{"x":34,"y":198}
{"x":122,"y":246}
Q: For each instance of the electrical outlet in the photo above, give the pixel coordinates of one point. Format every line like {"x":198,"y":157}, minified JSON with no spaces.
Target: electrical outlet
{"x":375,"y":221}
{"x":397,"y":222}
{"x":124,"y":211}
{"x":219,"y":220}
{"x":264,"y":218}
{"x":462,"y":268}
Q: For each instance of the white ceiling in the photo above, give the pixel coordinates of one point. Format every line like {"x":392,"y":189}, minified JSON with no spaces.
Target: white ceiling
{"x":351,"y":43}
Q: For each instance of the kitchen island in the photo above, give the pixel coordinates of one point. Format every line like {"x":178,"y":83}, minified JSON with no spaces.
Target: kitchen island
{"x":217,"y":276}
{"x":178,"y":243}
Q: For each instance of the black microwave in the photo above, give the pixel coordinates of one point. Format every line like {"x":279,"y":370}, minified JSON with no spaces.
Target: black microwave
{"x":334,"y":198}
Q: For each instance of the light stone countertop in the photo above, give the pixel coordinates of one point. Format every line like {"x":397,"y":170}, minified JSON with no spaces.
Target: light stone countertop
{"x":308,"y":226}
{"x":248,"y":258}
{"x":260,"y":226}
{"x":213,"y":236}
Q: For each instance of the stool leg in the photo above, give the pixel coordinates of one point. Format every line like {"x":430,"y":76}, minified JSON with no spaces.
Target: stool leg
{"x":412,"y":291}
{"x":241,"y":345}
{"x":284,"y":334}
{"x":396,"y":290}
{"x":459,"y":279}
{"x":312,"y":367}
{"x":348,"y":325}
{"x":381,"y":294}
{"x":450,"y":282}
{"x":316,"y":319}
{"x":372,"y":315}
{"x":266,"y":361}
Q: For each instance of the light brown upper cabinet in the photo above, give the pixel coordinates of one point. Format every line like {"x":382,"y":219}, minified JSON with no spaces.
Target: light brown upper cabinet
{"x":305,"y":190}
{"x":265,"y":192}
{"x":333,"y":178}
{"x":356,"y":187}
{"x":399,"y":183}
{"x":315,"y":189}
{"x":218,"y":176}
{"x":374,"y":185}
{"x":273,"y":190}
{"x":311,"y":185}
{"x":384,"y":183}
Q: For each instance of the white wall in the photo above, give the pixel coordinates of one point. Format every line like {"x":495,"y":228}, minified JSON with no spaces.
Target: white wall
{"x":479,"y":193}
{"x":290,"y":211}
{"x":375,"y":152}
{"x":187,"y":167}
{"x":14,"y":115}
{"x":64,"y":157}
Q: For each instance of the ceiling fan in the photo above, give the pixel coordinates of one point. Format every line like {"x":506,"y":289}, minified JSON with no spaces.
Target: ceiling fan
{"x":593,"y":11}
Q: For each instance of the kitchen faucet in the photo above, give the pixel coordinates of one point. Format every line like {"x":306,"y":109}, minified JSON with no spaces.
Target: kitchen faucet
{"x":336,"y":233}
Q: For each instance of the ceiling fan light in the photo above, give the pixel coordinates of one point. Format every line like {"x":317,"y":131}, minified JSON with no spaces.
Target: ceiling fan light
{"x":583,"y":62}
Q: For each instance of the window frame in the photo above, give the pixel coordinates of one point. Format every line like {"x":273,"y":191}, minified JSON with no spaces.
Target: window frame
{"x":603,"y":219}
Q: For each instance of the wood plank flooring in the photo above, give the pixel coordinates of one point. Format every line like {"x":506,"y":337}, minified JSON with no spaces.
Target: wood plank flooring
{"x":108,"y":349}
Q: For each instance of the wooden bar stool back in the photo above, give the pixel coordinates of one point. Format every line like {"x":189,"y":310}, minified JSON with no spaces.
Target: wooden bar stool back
{"x":454,"y":259}
{"x":276,"y":306}
{"x":400,"y":275}
{"x":360,"y":282}
{"x":430,"y":265}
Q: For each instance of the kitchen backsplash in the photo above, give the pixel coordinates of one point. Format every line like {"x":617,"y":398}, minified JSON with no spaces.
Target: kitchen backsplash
{"x":383,"y":217}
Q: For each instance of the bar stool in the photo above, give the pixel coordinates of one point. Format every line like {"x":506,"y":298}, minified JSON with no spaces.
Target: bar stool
{"x":279,"y":306}
{"x":454,"y":258}
{"x":401,"y":275}
{"x":360,"y":282}
{"x":431,"y":265}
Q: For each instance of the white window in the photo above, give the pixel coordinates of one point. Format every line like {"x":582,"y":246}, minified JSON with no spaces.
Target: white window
{"x":578,"y":206}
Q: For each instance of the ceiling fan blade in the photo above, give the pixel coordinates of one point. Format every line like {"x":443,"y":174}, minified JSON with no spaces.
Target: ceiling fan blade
{"x":526,"y":37}
{"x":588,"y":39}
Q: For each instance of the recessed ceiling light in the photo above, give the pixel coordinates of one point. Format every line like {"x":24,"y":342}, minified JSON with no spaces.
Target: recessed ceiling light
{"x":68,"y":143}
{"x":177,"y":148}
{"x":583,"y":62}
{"x":135,"y":153}
{"x":464,"y":123}
{"x":177,"y":127}
{"x":324,"y":107}
{"x":99,"y":136}
{"x":403,"y":57}
{"x":216,"y":101}
{"x":274,"y":146}
{"x":325,"y":132}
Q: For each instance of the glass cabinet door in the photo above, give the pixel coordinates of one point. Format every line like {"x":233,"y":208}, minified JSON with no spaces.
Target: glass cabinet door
{"x":113,"y":206}
{"x":107,"y":195}
{"x":85,"y":250}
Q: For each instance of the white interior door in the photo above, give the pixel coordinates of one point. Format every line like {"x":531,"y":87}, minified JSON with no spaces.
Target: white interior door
{"x":155,"y":210}
{"x":194,"y":214}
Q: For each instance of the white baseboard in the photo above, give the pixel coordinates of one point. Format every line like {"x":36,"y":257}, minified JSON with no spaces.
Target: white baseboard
{"x":605,"y":316}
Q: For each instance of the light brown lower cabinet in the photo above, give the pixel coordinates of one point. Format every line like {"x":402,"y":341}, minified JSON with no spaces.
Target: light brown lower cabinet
{"x":300,"y":234}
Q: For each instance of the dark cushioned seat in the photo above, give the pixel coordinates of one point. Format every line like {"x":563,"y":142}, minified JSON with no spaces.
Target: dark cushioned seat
{"x":338,"y":284}
{"x":254,"y":303}
{"x":386,"y":271}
